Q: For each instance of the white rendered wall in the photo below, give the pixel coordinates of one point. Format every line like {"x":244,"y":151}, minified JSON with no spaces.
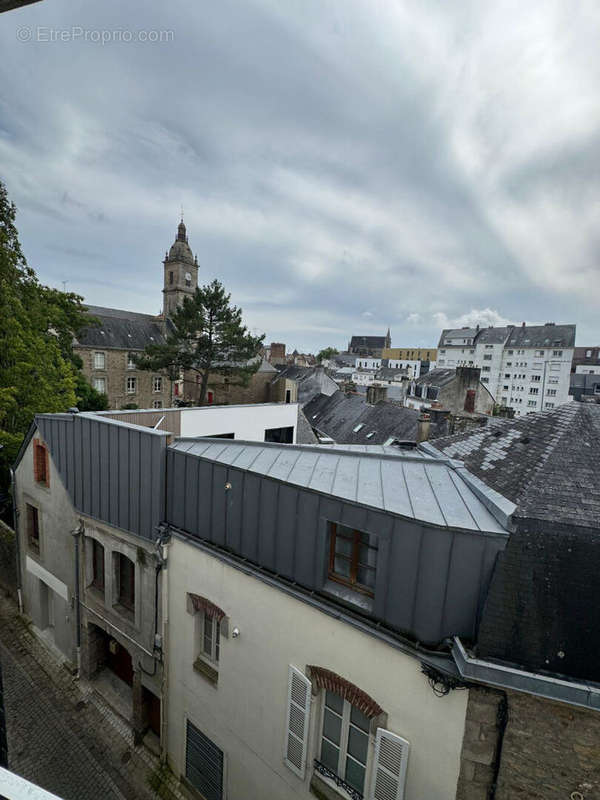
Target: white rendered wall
{"x":247,"y":422}
{"x":587,"y":369}
{"x":246,"y":714}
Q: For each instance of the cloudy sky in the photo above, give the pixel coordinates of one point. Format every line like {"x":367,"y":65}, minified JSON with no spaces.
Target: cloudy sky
{"x":343,"y":165}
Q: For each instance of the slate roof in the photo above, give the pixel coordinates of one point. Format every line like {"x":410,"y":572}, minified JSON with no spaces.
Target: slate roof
{"x":542,"y":336}
{"x":457,"y":333}
{"x":376,"y":342}
{"x":311,"y":381}
{"x":337,"y":416}
{"x":390,"y":373}
{"x":440,"y":376}
{"x":304,"y":432}
{"x":408,"y":484}
{"x":121,"y":330}
{"x":546,"y":463}
{"x":492,"y":335}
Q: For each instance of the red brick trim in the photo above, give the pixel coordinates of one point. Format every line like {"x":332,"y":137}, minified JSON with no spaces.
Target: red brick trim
{"x":41,"y":463}
{"x":202,"y":604}
{"x":325,"y":679}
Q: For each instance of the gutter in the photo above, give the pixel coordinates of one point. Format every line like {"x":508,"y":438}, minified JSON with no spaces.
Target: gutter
{"x":504,"y":676}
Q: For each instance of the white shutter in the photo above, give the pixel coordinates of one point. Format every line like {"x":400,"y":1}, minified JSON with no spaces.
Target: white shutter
{"x":389,"y":766}
{"x":298,"y":715}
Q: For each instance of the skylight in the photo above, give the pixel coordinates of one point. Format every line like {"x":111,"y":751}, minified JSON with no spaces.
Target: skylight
{"x":370,"y":434}
{"x":358,"y":427}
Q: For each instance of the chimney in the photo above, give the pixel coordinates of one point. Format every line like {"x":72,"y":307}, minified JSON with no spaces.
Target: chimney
{"x":376,"y":394}
{"x":522,"y":324}
{"x":423,"y":425}
{"x":439,"y":418}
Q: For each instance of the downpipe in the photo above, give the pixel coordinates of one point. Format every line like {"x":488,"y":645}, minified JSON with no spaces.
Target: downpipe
{"x":78,"y":535}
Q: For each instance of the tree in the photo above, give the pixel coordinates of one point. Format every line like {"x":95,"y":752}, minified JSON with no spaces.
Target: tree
{"x":326,"y":353}
{"x":207,"y":337}
{"x":37,"y":324}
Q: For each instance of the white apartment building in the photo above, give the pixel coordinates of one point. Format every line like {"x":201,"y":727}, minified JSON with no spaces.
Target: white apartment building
{"x":525,"y":367}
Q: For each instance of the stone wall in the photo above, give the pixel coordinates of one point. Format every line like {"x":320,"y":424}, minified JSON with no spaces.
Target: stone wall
{"x":116,"y":373}
{"x":550,"y":751}
{"x":481,"y":742}
{"x":520,"y":746}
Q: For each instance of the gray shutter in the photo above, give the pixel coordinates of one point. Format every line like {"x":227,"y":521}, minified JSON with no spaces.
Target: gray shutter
{"x":298,"y":716}
{"x":389,"y":766}
{"x":203,"y":764}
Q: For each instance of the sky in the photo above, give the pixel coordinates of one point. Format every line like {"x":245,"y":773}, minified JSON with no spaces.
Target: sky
{"x":343,"y":166}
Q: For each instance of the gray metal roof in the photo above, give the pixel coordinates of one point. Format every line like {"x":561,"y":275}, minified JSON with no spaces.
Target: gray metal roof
{"x":410,"y":484}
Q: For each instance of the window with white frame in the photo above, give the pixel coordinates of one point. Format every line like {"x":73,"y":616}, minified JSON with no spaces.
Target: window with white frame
{"x":100,"y":385}
{"x":539,"y":353}
{"x":344,"y":740}
{"x":131,"y":361}
{"x":549,"y":405}
{"x":99,"y":361}
{"x":157,"y":404}
{"x":557,"y":353}
{"x":536,"y":378}
{"x":487,"y":357}
{"x":131,"y":385}
{"x":551,"y":392}
{"x":588,"y":353}
{"x":532,"y":403}
{"x":211,"y":638}
{"x":157,"y":383}
{"x":534,"y":390}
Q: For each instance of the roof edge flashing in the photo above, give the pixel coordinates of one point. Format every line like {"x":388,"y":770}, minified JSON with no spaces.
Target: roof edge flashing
{"x":507,"y":677}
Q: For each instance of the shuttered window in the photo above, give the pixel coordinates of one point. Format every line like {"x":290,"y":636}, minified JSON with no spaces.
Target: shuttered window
{"x":203,"y":763}
{"x":389,"y":766}
{"x":298,"y":716}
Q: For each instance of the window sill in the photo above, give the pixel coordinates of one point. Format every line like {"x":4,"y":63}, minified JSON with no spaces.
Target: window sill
{"x":348,"y":595}
{"x":124,"y":612}
{"x":208,"y":672}
{"x":326,"y":789}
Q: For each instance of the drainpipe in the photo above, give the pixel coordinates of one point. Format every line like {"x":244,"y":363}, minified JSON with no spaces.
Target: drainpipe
{"x":77,"y":533}
{"x":164,"y":546}
{"x":13,"y":489}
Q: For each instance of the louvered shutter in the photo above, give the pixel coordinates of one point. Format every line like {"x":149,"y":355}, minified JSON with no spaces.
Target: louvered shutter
{"x":389,"y":766}
{"x":298,"y":715}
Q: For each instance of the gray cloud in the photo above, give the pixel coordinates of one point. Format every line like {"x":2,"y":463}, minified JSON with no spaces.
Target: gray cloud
{"x":414,"y":162}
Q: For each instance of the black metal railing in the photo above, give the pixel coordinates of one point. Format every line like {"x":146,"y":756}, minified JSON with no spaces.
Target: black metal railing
{"x":328,"y":773}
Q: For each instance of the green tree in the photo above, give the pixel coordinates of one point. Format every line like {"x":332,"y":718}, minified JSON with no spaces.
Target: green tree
{"x":208,"y":338}
{"x":325,"y":353}
{"x":37,"y":324}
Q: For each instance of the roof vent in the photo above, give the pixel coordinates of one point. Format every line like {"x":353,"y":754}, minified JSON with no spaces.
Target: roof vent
{"x":524,"y":440}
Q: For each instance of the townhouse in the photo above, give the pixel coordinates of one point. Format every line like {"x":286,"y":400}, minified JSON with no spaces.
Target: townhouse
{"x":342,"y":622}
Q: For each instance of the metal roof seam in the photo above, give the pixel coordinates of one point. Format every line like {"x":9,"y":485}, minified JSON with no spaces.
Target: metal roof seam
{"x":412,"y":508}
{"x":439,"y":505}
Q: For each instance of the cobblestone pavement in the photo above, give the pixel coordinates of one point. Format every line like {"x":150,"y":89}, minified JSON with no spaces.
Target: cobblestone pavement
{"x":61,"y":734}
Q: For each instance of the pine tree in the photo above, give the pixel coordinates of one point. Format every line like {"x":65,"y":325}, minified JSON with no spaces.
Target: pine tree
{"x":207,"y":337}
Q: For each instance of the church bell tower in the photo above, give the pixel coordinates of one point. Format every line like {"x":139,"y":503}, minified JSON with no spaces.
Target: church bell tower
{"x":181,"y":272}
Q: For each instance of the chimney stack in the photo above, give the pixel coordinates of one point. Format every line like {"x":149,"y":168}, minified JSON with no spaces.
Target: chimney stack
{"x":423,"y":426}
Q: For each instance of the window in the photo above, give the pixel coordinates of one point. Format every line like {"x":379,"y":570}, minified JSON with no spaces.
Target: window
{"x":551,"y":392}
{"x":352,"y":558}
{"x":549,"y":405}
{"x":131,"y":385}
{"x":170,"y":278}
{"x":509,"y":363}
{"x":203,"y":763}
{"x":588,"y":353}
{"x":487,"y":357}
{"x":344,"y":740}
{"x":485,"y":380}
{"x":539,"y":353}
{"x":536,"y":378}
{"x":210,"y":638}
{"x":33,"y":528}
{"x":157,"y":404}
{"x":125,"y":582}
{"x":131,"y":361}
{"x":485,"y":369}
{"x":41,"y":466}
{"x":100,"y":385}
{"x":532,"y":403}
{"x":534,"y":390}
{"x":280,"y":435}
{"x":597,"y":388}
{"x":99,"y":361}
{"x":97,"y":565}
{"x":510,"y":352}
{"x":557,"y":353}
{"x":505,"y":388}
{"x":157,"y":383}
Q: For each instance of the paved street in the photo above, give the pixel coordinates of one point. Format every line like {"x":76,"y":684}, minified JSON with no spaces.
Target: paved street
{"x":61,"y":734}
